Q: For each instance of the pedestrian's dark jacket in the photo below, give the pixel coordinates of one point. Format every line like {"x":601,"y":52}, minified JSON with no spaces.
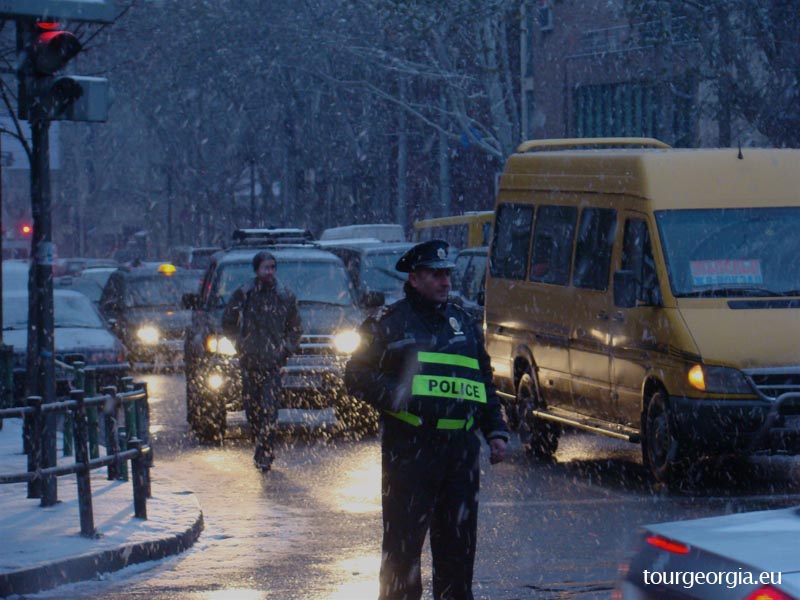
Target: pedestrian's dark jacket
{"x":265,"y":323}
{"x":427,"y":360}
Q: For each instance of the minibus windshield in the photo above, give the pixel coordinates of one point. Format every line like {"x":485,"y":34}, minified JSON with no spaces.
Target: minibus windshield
{"x":731,"y":252}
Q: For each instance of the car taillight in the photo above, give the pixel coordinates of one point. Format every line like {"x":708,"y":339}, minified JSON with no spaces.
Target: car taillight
{"x":667,"y":544}
{"x":768,"y":592}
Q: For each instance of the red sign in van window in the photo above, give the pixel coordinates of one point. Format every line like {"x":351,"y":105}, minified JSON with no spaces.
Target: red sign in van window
{"x":726,"y":272}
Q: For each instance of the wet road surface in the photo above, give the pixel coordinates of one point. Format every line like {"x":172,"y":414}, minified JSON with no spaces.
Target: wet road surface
{"x":310,"y":529}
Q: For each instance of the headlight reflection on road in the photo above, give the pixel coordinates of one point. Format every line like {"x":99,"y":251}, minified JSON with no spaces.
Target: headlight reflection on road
{"x":360,"y":488}
{"x":362,"y":573}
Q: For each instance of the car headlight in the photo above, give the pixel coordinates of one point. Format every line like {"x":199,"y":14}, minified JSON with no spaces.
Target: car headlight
{"x":215,"y":381}
{"x":148,"y":334}
{"x":347,"y":341}
{"x":219,"y":344}
{"x":718,"y":380}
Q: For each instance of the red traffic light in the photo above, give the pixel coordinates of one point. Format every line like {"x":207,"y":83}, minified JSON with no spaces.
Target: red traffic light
{"x":25,"y":229}
{"x":51,"y":48}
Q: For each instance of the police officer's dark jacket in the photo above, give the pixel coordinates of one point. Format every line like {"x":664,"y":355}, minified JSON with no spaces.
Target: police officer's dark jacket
{"x":425,"y":364}
{"x":265,"y":322}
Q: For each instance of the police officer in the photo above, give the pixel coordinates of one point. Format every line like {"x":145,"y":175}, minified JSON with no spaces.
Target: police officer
{"x":424,"y":365}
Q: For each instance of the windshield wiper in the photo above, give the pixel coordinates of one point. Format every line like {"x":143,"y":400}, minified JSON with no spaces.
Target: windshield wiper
{"x":731,"y":291}
{"x":323,"y":302}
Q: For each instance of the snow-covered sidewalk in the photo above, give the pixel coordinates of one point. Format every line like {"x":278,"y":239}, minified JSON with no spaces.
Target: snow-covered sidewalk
{"x":42,"y":547}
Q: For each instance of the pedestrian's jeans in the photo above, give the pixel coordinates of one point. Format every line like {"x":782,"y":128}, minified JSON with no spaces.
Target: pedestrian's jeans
{"x":260,"y":393}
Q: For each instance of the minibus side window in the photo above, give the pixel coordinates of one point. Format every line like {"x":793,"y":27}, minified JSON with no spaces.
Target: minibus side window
{"x":593,"y":248}
{"x":511,"y":241}
{"x":552,"y":244}
{"x":637,"y":256}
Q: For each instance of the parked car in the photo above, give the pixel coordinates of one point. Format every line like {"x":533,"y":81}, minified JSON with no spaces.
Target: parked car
{"x":744,"y":556}
{"x":469,"y":280}
{"x":313,"y":378}
{"x":73,"y":266}
{"x":79,"y":333}
{"x":143,"y":306}
{"x":15,"y":274}
{"x":98,"y":274}
{"x":370,"y":264}
{"x":88,"y":287}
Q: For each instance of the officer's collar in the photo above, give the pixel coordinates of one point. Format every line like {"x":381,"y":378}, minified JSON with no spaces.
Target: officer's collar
{"x":419,"y":302}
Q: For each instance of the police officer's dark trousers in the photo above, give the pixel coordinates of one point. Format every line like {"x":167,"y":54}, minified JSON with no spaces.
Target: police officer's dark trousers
{"x":260,"y":389}
{"x":430,"y":481}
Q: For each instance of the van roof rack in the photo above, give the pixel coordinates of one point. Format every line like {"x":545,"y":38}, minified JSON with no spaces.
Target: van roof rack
{"x":591,"y":143}
{"x":271,"y":236}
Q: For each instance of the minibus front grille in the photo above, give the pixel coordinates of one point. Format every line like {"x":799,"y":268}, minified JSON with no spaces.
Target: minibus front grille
{"x":773,"y":383}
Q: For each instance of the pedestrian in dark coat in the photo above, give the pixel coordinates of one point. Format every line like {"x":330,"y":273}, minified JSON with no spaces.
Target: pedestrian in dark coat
{"x":262,"y":317}
{"x":424,"y":365}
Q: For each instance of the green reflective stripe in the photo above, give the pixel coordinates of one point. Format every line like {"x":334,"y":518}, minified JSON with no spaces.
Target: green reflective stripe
{"x":449,"y":387}
{"x":406,"y":417}
{"x":455,"y":360}
{"x":450,"y":424}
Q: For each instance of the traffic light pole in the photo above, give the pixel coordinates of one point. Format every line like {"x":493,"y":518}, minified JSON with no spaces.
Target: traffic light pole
{"x":41,"y":365}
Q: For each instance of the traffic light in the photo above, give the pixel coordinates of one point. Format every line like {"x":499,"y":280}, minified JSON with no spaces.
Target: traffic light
{"x":46,"y":50}
{"x":25,"y":229}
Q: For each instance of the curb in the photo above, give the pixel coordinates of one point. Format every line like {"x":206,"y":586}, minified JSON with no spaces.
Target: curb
{"x":88,"y":566}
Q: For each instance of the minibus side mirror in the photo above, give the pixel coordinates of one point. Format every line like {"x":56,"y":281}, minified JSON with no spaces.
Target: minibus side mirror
{"x":481,"y":299}
{"x":624,"y":289}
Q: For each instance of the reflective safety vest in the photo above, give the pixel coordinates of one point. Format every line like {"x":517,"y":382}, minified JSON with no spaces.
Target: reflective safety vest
{"x":441,"y":380}
{"x":437,"y":381}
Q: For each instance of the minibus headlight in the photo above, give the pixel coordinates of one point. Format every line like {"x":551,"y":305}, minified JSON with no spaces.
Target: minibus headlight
{"x":219,"y":344}
{"x":347,"y":341}
{"x":718,"y":380}
{"x":148,"y":334}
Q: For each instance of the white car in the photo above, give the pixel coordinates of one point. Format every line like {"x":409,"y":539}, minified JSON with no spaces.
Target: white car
{"x":78,"y":330}
{"x":744,"y":556}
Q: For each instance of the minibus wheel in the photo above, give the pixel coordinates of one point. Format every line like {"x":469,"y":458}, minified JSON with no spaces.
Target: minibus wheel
{"x":660,"y":450}
{"x":539,"y":436}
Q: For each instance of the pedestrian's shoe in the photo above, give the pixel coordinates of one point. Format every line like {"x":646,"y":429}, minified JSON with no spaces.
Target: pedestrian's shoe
{"x":265,"y":463}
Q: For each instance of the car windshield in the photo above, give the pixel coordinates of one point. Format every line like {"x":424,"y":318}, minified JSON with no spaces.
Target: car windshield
{"x":158,"y":290}
{"x":379,"y":272}
{"x":69,"y":311}
{"x":731,"y":252}
{"x":323,"y":282}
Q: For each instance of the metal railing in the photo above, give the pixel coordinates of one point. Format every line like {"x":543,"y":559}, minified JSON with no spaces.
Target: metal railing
{"x":126,"y":421}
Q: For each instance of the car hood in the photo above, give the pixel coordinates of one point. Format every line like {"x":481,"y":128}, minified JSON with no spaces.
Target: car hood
{"x":763,"y":540}
{"x":747,"y":338}
{"x":67,"y":339}
{"x":326,"y":319}
{"x":163,"y":317}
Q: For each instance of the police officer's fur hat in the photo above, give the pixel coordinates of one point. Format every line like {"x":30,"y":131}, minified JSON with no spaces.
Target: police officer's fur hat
{"x":429,"y":255}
